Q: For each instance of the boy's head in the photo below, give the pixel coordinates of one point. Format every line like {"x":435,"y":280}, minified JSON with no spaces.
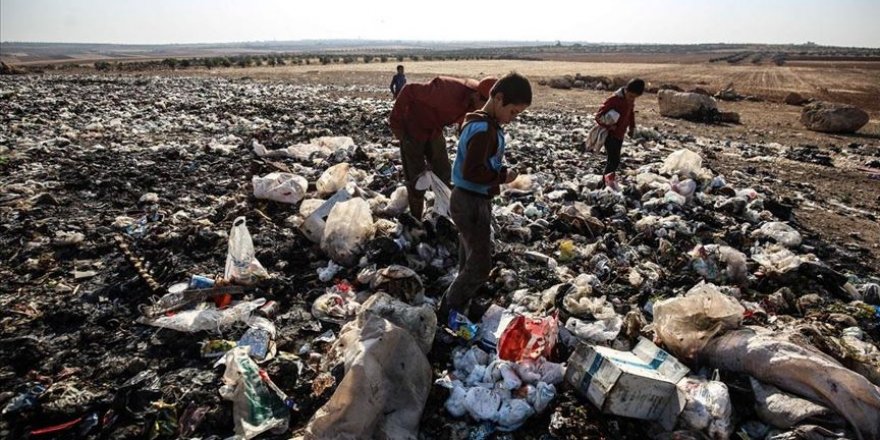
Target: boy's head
{"x":510,"y":96}
{"x":399,"y":68}
{"x":635,"y":88}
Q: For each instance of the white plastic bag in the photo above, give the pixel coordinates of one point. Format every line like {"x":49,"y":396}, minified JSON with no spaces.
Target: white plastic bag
{"x":455,"y":403}
{"x":348,"y":227}
{"x":256,"y":409}
{"x":682,"y":162}
{"x":707,"y":407}
{"x":598,"y":134}
{"x":333,"y":179}
{"x":398,"y":203}
{"x":597,"y":332}
{"x":242,"y":265}
{"x":686,"y":324}
{"x":482,"y":403}
{"x":513,"y":414}
{"x":441,"y":192}
{"x":280,"y":187}
{"x":781,"y":232}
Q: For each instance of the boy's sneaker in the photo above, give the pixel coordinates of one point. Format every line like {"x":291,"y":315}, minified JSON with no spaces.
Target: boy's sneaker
{"x":611,"y":182}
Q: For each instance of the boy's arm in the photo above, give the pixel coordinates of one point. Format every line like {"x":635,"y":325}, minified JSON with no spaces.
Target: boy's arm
{"x":632,"y":123}
{"x":606,"y":106}
{"x":475,"y":167}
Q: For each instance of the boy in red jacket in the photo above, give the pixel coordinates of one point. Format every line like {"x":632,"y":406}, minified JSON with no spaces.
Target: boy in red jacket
{"x":623,"y":102}
{"x":417,"y":120}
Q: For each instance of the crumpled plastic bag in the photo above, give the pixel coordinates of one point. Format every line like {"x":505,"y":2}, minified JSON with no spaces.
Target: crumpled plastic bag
{"x":707,"y":407}
{"x":777,"y":259}
{"x":528,"y":338}
{"x":386,"y":384}
{"x":280,"y":187}
{"x":512,"y":414}
{"x":685,"y":324}
{"x":780,"y":232}
{"x":242,"y":265}
{"x":482,"y":403}
{"x":255,"y":409}
{"x":210,"y":319}
{"x":683,"y":163}
{"x":429,"y":180}
{"x":333,"y":179}
{"x":596,"y":332}
{"x":398,"y":202}
{"x":420,"y":321}
{"x":349,"y":226}
{"x":398,"y":281}
{"x":791,"y":363}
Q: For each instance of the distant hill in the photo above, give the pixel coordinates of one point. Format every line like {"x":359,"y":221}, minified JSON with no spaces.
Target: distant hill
{"x":23,"y":53}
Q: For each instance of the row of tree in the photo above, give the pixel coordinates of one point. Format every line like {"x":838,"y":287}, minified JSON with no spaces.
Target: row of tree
{"x":271,"y":60}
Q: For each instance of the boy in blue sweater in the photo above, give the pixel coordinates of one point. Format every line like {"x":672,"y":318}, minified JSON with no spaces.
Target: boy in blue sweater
{"x":477,"y":173}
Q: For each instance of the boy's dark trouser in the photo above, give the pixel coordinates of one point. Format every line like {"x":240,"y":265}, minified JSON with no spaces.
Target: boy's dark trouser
{"x":612,"y":150}
{"x":472,"y":215}
{"x":416,"y":156}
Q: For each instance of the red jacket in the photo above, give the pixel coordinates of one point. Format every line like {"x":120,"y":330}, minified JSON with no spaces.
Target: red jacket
{"x":423,"y":109}
{"x":627,"y":119}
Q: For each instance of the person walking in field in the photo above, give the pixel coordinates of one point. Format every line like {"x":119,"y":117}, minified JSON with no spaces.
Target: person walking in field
{"x":623,"y":103}
{"x":397,"y":82}
{"x":417,"y":119}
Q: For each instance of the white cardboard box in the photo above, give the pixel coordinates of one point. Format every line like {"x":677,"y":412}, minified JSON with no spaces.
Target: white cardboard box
{"x":638,"y":383}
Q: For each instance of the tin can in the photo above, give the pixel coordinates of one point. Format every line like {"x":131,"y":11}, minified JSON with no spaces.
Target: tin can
{"x":201,"y":282}
{"x":269,"y":310}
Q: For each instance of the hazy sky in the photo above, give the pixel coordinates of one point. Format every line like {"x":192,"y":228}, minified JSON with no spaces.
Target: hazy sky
{"x":835,"y":22}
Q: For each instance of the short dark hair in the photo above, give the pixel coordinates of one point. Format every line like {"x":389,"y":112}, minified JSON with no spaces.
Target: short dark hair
{"x":399,"y":66}
{"x":636,"y":86}
{"x":515,"y":87}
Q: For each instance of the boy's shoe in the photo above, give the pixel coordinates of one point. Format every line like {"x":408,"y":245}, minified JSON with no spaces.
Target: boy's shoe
{"x":611,"y":182}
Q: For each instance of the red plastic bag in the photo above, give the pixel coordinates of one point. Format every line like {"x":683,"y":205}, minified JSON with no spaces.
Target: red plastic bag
{"x":528,"y":338}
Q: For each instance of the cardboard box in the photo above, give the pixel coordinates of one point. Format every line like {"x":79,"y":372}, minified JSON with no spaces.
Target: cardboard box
{"x":638,"y":383}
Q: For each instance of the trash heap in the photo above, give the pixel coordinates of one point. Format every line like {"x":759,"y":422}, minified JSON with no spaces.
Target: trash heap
{"x":689,"y":305}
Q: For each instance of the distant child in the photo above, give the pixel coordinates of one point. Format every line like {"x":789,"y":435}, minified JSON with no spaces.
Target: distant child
{"x":397,"y":82}
{"x":417,"y":119}
{"x":623,"y":102}
{"x":478,"y":171}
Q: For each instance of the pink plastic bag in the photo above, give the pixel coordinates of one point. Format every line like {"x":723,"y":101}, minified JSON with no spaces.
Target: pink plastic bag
{"x":528,"y":338}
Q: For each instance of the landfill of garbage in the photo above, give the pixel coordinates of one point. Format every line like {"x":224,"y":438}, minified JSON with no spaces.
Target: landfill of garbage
{"x":204,"y":258}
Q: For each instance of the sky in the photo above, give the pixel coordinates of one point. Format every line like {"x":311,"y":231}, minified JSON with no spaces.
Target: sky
{"x":837,"y":22}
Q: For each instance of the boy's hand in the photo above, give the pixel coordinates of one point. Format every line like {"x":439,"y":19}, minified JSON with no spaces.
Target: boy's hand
{"x":511,"y":176}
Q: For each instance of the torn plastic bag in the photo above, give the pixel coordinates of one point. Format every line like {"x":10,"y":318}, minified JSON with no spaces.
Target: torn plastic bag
{"x":686,"y":323}
{"x":707,"y":407}
{"x":333,"y":179}
{"x":210,"y":318}
{"x":429,"y":180}
{"x":782,"y":410}
{"x":683,"y":163}
{"x":528,"y":338}
{"x":777,"y":259}
{"x":242,"y":265}
{"x":386,"y":384}
{"x":791,"y":363}
{"x":256,"y":409}
{"x":280,"y":187}
{"x":349,"y":226}
{"x":337,"y":305}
